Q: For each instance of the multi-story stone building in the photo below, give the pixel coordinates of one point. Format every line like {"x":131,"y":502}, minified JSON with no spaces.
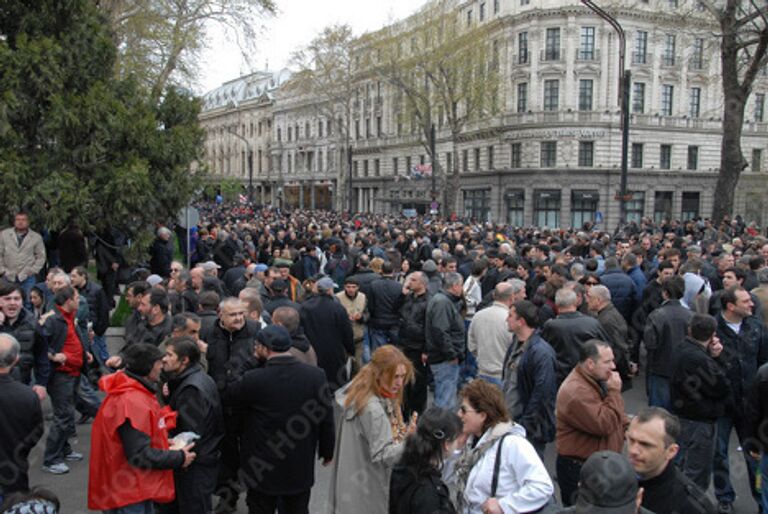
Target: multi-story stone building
{"x":550,"y":154}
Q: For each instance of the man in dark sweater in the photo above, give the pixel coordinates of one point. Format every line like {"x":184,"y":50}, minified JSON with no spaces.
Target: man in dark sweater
{"x":22,"y":423}
{"x":699,"y":392}
{"x":651,"y":447}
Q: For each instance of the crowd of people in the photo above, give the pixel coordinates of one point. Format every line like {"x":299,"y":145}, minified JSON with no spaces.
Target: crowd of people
{"x":427,"y":362}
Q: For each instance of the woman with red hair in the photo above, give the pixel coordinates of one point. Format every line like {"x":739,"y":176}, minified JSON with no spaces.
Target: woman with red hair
{"x":370,"y":434}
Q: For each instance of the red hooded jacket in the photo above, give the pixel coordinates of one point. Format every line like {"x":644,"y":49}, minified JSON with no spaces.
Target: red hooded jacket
{"x":112,"y":481}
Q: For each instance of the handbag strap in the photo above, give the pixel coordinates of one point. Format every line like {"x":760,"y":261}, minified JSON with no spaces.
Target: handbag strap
{"x":497,"y":466}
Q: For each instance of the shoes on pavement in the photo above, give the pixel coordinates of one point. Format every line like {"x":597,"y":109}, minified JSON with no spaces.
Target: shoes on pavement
{"x":724,"y":508}
{"x":73,"y":456}
{"x":56,"y":469}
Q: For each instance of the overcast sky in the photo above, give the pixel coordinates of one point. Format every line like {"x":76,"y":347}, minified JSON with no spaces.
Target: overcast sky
{"x":296,"y":24}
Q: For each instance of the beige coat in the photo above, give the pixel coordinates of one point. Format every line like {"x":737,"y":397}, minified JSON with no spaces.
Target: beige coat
{"x":356,"y":306}
{"x":364,"y":457}
{"x":20,"y":262}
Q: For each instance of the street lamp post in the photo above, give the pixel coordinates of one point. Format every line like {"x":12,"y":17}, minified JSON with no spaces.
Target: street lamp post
{"x":625,"y":79}
{"x":432,"y":143}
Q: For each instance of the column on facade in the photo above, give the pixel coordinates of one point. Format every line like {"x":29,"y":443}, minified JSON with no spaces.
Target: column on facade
{"x":359,"y":204}
{"x":571,"y":42}
{"x":301,"y":195}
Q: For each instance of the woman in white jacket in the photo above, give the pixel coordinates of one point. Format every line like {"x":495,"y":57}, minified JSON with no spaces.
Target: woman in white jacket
{"x":522,"y":482}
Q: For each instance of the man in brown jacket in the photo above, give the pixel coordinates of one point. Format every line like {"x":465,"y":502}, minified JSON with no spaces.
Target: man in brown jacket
{"x":590,"y":414}
{"x":22,"y":254}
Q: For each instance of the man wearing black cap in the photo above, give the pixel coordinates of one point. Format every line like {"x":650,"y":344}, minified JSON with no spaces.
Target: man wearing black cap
{"x":284,"y":427}
{"x":279,"y":297}
{"x":327,"y":326}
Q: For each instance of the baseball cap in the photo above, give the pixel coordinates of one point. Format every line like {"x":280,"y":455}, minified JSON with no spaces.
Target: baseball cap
{"x":275,"y":337}
{"x":607,"y":485}
{"x":325,"y":284}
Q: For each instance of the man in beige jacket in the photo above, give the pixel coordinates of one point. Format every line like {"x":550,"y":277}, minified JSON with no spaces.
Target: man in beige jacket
{"x":356,"y":305}
{"x":22,"y":254}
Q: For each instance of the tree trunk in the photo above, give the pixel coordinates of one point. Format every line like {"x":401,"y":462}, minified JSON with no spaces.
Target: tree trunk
{"x":732,"y":160}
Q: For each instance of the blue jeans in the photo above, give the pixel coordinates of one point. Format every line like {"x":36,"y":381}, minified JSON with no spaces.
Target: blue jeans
{"x":367,"y":346}
{"x":720,"y":468}
{"x":61,"y":390}
{"x":99,"y":346}
{"x":380,"y":336}
{"x":658,"y":392}
{"x":490,"y":380}
{"x":446,"y":384}
{"x":145,"y":507}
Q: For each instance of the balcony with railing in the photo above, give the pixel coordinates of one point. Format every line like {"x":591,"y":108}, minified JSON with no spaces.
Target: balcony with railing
{"x":670,"y":60}
{"x":521,"y":58}
{"x":551,"y":55}
{"x":588,"y":55}
{"x":640,"y":58}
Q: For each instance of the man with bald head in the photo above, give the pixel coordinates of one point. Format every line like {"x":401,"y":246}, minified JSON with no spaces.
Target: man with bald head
{"x":231,"y":342}
{"x":22,"y":424}
{"x":489,"y":337}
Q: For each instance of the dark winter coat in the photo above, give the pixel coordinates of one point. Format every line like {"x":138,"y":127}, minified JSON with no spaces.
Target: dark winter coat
{"x":622,"y":290}
{"x":537,"y":386}
{"x":326,"y":324}
{"x":566,"y":333}
{"x":270,"y":438}
{"x":699,"y":389}
{"x":384,"y":303}
{"x":665,"y":330}
{"x":423,"y":494}
{"x":161,"y":257}
{"x":230,"y":354}
{"x":413,"y":316}
{"x":743,"y":354}
{"x":194,"y":395}
{"x":21,"y":427}
{"x":444,"y":329}
{"x":98,"y":307}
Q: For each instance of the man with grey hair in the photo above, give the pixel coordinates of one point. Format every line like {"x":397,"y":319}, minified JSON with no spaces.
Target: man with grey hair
{"x":22,"y":424}
{"x":489,"y":338}
{"x":614,"y":324}
{"x":568,"y":331}
{"x":445,"y":339}
{"x":161,"y":253}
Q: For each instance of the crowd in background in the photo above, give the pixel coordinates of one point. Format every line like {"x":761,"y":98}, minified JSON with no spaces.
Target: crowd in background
{"x":428,"y":362}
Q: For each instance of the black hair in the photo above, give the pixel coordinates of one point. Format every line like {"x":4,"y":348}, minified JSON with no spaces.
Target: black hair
{"x":674,"y":287}
{"x":729,"y":296}
{"x":139,"y":287}
{"x":185,"y":346}
{"x":7,"y":288}
{"x":423,"y":452}
{"x":528,"y":311}
{"x":63,"y":295}
{"x":159,"y":298}
{"x":591,"y":349}
{"x":739,"y":273}
{"x":702,"y":326}
{"x":140,"y":358}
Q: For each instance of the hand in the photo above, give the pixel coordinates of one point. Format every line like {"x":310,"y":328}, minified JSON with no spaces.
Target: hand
{"x":2,"y":318}
{"x":202,"y":346}
{"x":633,"y":369}
{"x":326,"y":462}
{"x":40,"y":391}
{"x":715,"y":347}
{"x":614,"y":382}
{"x":114,"y":362}
{"x":166,"y":391}
{"x":424,"y":358}
{"x":58,"y":358}
{"x":491,"y":506}
{"x":413,"y":423}
{"x":89,"y":357}
{"x":755,"y":455}
{"x":189,"y":457}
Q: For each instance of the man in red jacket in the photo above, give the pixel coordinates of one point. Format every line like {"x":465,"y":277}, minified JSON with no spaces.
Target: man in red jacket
{"x":131,"y":463}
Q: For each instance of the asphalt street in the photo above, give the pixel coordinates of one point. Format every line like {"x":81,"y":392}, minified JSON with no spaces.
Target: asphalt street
{"x":72,"y":487}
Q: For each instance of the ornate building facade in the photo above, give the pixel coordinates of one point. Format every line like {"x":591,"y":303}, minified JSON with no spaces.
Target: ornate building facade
{"x":550,"y":153}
